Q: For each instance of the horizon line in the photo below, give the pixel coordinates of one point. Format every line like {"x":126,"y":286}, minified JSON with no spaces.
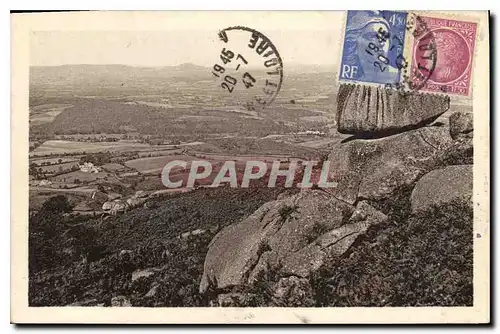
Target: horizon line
{"x":157,"y":66}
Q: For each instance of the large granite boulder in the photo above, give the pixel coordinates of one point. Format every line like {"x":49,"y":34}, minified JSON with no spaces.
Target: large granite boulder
{"x":277,"y":228}
{"x":441,"y":186}
{"x":375,"y":169}
{"x":371,"y":111}
{"x":290,"y":236}
{"x":461,"y":124}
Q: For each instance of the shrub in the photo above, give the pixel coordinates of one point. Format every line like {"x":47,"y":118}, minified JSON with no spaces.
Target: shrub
{"x":425,"y":260}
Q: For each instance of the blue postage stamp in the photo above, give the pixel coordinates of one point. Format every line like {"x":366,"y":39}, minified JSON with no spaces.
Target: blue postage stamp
{"x":373,"y":46}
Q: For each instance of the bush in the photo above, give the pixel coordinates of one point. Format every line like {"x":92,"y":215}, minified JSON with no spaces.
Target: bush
{"x":425,"y":260}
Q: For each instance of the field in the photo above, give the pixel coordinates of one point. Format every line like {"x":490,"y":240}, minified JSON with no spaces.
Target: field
{"x":70,"y":147}
{"x":155,"y":164}
{"x":46,"y":113}
{"x":113,"y":167}
{"x":82,"y":176}
{"x":60,"y":147}
{"x":59,"y":167}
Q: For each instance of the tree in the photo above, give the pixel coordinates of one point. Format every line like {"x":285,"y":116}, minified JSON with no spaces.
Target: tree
{"x":59,"y":161}
{"x":56,"y":204}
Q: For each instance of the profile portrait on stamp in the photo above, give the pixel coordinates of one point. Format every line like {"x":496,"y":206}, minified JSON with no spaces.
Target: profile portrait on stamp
{"x":454,"y":45}
{"x":372,"y":43}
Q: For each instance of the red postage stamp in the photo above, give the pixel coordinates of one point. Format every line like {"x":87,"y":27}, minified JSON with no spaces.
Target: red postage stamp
{"x":454,"y":49}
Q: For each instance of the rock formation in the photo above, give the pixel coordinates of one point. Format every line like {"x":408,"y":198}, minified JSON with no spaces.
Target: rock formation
{"x":374,"y":169}
{"x":289,"y":239}
{"x":371,"y":111}
{"x":443,"y":186}
{"x":293,"y":235}
{"x":461,"y":124}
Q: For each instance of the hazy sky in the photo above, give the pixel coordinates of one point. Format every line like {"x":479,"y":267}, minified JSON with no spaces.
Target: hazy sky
{"x":161,"y":48}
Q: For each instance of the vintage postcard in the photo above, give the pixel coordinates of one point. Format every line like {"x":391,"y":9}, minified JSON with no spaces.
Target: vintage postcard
{"x":250,"y":167}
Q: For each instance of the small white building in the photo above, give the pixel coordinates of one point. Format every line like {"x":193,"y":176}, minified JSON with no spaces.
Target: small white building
{"x":88,"y":167}
{"x":44,"y":183}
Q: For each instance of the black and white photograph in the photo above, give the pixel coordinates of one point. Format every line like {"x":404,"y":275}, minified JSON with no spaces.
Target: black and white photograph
{"x":279,"y":161}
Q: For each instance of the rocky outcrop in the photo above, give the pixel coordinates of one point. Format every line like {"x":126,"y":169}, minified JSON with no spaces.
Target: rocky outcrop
{"x":370,"y":111}
{"x":333,"y":243}
{"x":461,"y":124}
{"x":374,"y":169}
{"x":293,"y":236}
{"x":452,"y":183}
{"x":286,"y":241}
{"x":273,"y":232}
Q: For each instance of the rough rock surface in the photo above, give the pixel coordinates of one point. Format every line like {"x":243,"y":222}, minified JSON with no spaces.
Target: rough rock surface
{"x":375,"y":111}
{"x":442,"y":186}
{"x":461,"y":123}
{"x":292,"y":235}
{"x":278,"y":228}
{"x":374,"y":169}
{"x":333,"y":243}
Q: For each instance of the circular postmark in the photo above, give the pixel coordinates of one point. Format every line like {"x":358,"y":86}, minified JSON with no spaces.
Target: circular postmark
{"x":249,"y":67}
{"x":414,"y":76}
{"x":424,"y":55}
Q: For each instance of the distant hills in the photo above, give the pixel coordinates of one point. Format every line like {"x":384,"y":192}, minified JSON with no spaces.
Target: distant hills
{"x":72,"y":75}
{"x":102,"y":75}
{"x":114,"y":98}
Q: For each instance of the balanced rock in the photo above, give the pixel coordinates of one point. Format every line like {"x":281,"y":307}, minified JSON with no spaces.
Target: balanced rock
{"x":374,"y":169}
{"x":370,"y":111}
{"x":443,"y":186}
{"x":461,"y":123}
